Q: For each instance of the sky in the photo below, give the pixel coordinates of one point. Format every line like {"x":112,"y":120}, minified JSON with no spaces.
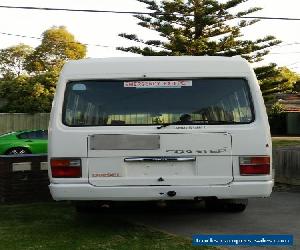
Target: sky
{"x":101,"y":29}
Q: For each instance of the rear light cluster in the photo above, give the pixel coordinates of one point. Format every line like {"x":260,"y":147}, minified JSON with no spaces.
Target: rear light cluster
{"x":65,"y":168}
{"x":254,"y":165}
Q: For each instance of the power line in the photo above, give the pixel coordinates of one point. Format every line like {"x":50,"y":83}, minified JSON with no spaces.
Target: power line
{"x":282,"y":53}
{"x":107,"y":46}
{"x":77,"y":10}
{"x":139,"y":13}
{"x":294,"y":63}
{"x":114,"y":47}
{"x":270,"y":18}
{"x":39,"y":38}
{"x":297,"y":67}
{"x":287,"y":44}
{"x":10,"y":34}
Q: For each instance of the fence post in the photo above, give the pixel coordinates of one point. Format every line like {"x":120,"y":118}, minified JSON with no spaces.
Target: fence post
{"x":286,"y":162}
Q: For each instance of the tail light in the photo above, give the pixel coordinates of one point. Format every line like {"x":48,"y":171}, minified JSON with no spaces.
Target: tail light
{"x":254,"y":165}
{"x":65,"y":168}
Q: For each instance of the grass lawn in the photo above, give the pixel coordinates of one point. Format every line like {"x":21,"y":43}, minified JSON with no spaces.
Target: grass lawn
{"x":284,"y":143}
{"x":57,"y":226}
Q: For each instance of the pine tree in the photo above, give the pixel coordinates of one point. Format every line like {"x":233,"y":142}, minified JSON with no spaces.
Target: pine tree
{"x":199,"y":27}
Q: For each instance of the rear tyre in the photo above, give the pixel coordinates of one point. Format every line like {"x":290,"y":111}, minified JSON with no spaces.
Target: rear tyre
{"x":17,"y":151}
{"x":227,"y":205}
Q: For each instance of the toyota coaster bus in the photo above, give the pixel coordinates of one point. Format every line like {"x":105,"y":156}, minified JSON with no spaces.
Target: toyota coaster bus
{"x":159,"y":129}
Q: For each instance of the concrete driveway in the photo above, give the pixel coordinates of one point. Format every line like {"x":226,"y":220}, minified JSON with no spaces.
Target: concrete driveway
{"x":279,"y":214}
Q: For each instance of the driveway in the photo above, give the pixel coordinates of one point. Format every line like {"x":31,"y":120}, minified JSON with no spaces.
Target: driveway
{"x":279,"y":214}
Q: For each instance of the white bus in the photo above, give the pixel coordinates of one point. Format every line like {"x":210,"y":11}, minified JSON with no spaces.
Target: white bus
{"x":160,"y":129}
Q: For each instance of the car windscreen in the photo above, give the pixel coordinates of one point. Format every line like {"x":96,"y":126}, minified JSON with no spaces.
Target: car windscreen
{"x":156,"y":102}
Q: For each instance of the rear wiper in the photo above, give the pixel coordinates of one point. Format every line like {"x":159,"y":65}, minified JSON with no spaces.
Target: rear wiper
{"x":165,"y":125}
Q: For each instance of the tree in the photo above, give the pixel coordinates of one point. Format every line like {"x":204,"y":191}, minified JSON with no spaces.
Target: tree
{"x":198,"y":27}
{"x":13,"y":60}
{"x":273,"y":79}
{"x":58,"y":46}
{"x":29,"y":75}
{"x":25,"y":94}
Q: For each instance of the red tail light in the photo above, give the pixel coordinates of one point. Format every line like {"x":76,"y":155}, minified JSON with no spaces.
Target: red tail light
{"x":65,"y":168}
{"x":254,"y":165}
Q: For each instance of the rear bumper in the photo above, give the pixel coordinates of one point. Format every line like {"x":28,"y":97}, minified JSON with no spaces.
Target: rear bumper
{"x":137,"y":193}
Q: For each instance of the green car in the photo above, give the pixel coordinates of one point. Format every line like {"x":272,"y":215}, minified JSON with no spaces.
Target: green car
{"x":24,"y":142}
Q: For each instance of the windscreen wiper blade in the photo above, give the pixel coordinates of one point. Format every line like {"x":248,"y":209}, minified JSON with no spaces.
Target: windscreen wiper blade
{"x":165,"y":125}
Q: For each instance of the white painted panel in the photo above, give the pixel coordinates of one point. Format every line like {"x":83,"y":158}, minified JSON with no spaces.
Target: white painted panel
{"x":157,"y":169}
{"x":205,"y":170}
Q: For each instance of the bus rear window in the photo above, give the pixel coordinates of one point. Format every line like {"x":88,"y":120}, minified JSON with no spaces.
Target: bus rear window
{"x":157,"y":102}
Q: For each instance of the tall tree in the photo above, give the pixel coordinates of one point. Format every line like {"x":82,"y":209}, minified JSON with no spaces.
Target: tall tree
{"x":198,"y":27}
{"x":13,"y":60}
{"x":29,"y":75}
{"x":58,"y":45}
{"x":273,"y":79}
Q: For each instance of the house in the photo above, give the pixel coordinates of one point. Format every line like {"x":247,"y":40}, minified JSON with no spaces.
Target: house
{"x":291,"y":107}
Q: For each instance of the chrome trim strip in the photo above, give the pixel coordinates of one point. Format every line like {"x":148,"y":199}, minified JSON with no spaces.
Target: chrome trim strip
{"x":160,"y":159}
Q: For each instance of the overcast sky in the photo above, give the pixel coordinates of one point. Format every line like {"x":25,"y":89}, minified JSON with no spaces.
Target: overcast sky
{"x":102,"y":29}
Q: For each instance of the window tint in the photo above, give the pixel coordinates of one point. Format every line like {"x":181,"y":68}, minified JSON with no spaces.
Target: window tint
{"x":39,"y":134}
{"x":43,"y":134}
{"x":23,"y":135}
{"x":198,"y":101}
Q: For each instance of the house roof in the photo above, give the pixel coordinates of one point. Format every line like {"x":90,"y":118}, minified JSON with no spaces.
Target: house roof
{"x":290,"y":102}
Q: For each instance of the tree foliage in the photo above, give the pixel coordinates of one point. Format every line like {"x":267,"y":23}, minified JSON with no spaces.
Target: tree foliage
{"x":198,"y":27}
{"x":13,"y":60}
{"x":58,"y":46}
{"x":273,"y":79}
{"x":25,"y":94}
{"x":209,"y":27}
{"x":29,"y":75}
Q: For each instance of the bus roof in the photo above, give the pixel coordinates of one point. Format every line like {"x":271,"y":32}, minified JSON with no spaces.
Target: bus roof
{"x":156,"y":64}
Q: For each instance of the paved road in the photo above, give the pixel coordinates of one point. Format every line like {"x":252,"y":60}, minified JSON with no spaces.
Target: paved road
{"x":279,"y":214}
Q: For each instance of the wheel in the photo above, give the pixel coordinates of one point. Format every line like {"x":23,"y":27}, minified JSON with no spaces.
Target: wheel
{"x":227,"y":205}
{"x":17,"y":151}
